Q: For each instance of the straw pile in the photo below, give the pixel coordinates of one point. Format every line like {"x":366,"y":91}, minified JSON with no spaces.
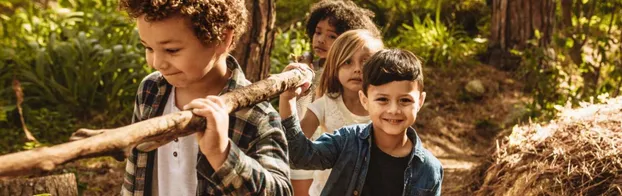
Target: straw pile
{"x":579,"y":153}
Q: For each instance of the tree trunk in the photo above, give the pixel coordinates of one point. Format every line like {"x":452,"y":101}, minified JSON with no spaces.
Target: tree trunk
{"x":64,"y":184}
{"x":514,"y":22}
{"x":253,"y":48}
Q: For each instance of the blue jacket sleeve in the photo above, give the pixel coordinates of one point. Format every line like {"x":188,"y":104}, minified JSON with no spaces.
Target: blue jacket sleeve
{"x":312,"y":155}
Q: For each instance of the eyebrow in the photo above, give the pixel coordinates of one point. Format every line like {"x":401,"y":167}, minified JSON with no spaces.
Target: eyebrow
{"x":387,"y":95}
{"x":168,"y":41}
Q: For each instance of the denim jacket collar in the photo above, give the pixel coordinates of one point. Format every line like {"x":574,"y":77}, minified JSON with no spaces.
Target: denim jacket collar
{"x":410,"y":133}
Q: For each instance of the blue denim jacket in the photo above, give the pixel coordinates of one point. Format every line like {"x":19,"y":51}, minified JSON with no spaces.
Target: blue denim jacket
{"x":347,"y":152}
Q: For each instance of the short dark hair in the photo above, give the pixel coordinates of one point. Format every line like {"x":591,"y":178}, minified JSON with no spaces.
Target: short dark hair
{"x":389,"y":65}
{"x":343,"y":15}
{"x":208,"y":18}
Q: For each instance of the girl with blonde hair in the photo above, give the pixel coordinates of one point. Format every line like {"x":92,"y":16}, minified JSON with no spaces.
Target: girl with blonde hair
{"x":338,"y":104}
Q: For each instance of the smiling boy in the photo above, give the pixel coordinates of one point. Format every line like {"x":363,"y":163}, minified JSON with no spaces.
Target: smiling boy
{"x":243,"y":153}
{"x":385,"y":157}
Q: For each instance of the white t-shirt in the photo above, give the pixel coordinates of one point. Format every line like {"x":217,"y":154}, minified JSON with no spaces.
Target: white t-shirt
{"x":332,"y":115}
{"x":175,"y":170}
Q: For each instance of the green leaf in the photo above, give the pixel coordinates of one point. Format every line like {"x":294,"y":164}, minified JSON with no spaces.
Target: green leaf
{"x":569,"y":43}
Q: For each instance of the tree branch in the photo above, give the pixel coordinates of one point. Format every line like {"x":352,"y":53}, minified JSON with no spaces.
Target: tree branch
{"x":147,"y":134}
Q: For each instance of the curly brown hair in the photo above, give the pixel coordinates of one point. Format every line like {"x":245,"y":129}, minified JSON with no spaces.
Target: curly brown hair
{"x":208,"y":18}
{"x":343,"y":15}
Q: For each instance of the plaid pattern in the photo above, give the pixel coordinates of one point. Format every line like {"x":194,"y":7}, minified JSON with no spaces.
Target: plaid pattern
{"x":257,"y":163}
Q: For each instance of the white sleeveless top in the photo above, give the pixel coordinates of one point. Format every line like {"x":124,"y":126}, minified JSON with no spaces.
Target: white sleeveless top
{"x":332,"y":115}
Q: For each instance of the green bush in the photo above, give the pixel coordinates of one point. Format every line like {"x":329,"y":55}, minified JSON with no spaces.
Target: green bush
{"x":436,"y":43}
{"x":76,"y":67}
{"x":290,"y":12}
{"x":288,"y":43}
{"x":582,"y":62}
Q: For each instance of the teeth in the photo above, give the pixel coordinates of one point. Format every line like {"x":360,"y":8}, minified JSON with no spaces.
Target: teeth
{"x":393,"y":121}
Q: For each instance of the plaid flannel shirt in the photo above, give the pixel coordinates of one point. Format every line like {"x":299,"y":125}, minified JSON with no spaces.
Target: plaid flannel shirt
{"x":257,"y":163}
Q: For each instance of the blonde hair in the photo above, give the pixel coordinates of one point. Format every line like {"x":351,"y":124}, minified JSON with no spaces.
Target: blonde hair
{"x":342,"y":49}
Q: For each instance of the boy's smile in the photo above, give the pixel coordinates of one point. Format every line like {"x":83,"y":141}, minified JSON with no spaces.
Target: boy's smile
{"x":393,"y":106}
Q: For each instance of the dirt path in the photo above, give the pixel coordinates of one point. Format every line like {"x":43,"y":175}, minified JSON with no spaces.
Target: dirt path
{"x":459,"y":130}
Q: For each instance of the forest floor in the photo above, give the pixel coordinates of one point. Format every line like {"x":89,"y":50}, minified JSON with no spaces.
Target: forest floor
{"x":461,"y":130}
{"x":456,"y":127}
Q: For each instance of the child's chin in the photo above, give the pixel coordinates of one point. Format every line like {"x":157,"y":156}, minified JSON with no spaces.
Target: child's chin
{"x":394,"y":130}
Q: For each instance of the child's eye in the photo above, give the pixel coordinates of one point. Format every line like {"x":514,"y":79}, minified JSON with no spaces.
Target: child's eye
{"x":148,"y":49}
{"x":382,"y":99}
{"x":405,"y":100}
{"x":364,"y":60}
{"x":172,"y":51}
{"x":348,"y":62}
{"x":333,"y":36}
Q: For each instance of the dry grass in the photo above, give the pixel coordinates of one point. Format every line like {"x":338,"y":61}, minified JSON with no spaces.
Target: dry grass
{"x":579,"y":153}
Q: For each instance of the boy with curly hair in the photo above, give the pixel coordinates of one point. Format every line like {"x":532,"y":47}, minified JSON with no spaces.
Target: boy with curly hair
{"x":243,"y":153}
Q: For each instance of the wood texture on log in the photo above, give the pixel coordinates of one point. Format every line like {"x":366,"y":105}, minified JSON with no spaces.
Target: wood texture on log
{"x":56,"y":185}
{"x":150,"y":134}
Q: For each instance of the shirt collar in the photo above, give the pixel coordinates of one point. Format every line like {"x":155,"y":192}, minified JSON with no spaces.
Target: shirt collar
{"x":417,"y":150}
{"x":237,"y":79}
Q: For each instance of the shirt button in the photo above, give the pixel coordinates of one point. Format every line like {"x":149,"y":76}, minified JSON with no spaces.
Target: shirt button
{"x":356,"y":193}
{"x":176,"y":140}
{"x":175,"y":154}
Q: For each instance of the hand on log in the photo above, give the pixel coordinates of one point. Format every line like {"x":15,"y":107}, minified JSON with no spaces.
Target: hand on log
{"x":148,"y":134}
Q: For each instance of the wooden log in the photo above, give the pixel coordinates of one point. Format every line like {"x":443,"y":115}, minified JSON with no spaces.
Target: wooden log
{"x":150,"y":134}
{"x":64,"y":185}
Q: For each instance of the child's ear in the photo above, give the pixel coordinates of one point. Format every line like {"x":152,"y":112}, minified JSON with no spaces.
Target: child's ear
{"x":363,"y":99}
{"x":227,"y":38}
{"x":421,"y":100}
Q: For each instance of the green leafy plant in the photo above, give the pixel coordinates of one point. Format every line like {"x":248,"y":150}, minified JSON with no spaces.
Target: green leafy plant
{"x":84,"y":60}
{"x":78,"y":62}
{"x":435,"y":42}
{"x":582,"y":63}
{"x":288,"y":43}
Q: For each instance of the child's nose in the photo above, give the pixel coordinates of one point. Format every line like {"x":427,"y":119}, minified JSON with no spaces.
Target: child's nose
{"x":321,"y":39}
{"x":393,"y":108}
{"x":358,"y":67}
{"x":159,"y":62}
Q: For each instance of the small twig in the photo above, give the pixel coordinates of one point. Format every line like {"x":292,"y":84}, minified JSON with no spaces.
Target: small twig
{"x":19,"y":94}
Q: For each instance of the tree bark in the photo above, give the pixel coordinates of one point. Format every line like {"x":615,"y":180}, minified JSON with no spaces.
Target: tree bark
{"x":253,"y":47}
{"x":148,"y":134}
{"x":514,"y":22}
{"x":61,"y":185}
